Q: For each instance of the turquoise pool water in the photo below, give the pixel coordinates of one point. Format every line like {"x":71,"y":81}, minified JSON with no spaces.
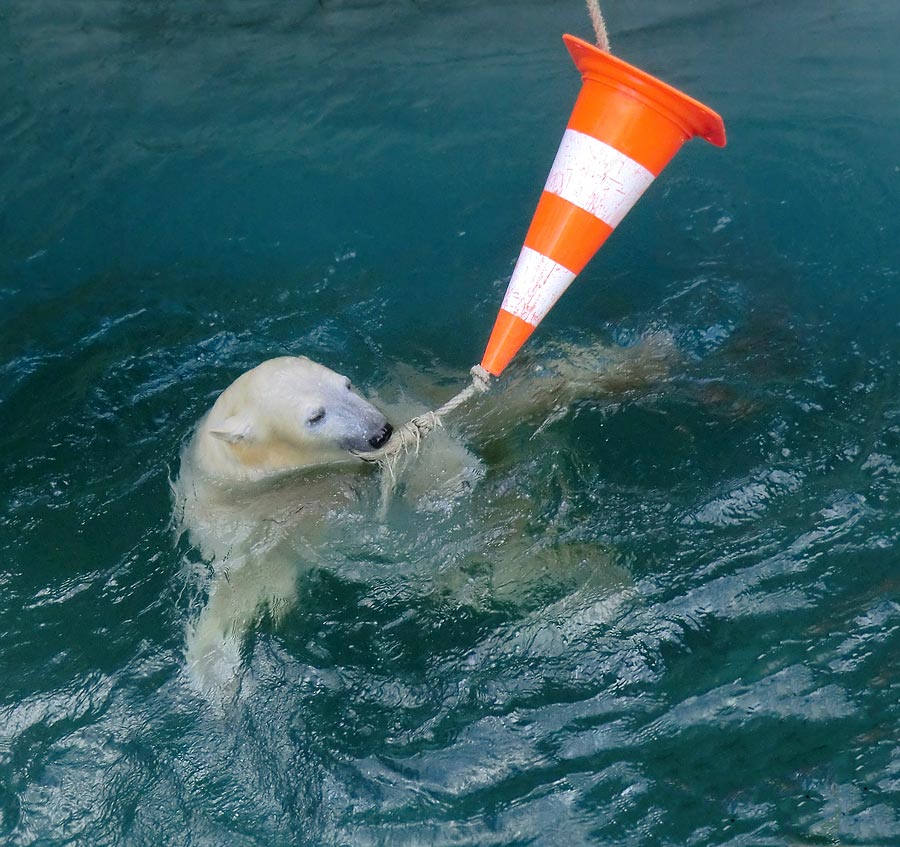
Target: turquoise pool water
{"x":189,"y":188}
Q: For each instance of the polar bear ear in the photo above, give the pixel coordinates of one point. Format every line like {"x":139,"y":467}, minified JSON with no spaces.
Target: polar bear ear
{"x":234,"y":430}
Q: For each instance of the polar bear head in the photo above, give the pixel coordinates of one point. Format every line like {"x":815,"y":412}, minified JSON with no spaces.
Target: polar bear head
{"x":283,"y":415}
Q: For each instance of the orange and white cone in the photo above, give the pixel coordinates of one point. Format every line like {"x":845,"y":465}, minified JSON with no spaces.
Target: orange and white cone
{"x":625,"y":127}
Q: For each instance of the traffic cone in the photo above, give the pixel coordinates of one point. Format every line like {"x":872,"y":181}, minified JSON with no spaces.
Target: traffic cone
{"x":624,"y":129}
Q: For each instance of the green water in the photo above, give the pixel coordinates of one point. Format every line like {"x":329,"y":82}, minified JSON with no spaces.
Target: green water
{"x":189,"y":188}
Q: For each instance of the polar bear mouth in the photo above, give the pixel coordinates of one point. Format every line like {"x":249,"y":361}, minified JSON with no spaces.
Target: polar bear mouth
{"x":382,"y":437}
{"x":369,"y":442}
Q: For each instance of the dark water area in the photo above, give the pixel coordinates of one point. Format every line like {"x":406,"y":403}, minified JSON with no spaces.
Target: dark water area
{"x":189,"y":188}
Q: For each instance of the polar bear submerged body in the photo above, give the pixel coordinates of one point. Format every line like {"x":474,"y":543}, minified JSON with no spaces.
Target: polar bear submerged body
{"x":270,"y":480}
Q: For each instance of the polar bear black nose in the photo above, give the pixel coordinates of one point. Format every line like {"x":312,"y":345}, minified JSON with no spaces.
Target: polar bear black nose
{"x":382,"y":437}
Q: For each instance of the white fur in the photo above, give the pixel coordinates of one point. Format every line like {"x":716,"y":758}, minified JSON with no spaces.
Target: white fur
{"x":266,"y":479}
{"x":274,"y":452}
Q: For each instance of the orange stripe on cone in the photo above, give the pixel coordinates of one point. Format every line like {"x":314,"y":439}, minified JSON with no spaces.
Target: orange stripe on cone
{"x":624,"y":129}
{"x":650,"y":122}
{"x":565,"y":233}
{"x":640,"y":133}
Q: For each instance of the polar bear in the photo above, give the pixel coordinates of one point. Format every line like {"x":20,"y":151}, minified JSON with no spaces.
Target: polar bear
{"x":265,"y":458}
{"x":273,"y":466}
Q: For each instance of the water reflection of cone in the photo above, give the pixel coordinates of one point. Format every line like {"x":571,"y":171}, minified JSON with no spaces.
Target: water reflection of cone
{"x":624,"y":129}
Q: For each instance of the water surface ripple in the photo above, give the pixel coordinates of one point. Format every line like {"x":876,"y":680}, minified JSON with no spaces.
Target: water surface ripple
{"x":668,"y":617}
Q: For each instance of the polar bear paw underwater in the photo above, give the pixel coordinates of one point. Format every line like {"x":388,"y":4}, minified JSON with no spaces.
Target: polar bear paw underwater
{"x":271,"y":468}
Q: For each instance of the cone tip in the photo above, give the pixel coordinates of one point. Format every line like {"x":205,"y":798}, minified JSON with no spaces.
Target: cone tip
{"x":510,"y":332}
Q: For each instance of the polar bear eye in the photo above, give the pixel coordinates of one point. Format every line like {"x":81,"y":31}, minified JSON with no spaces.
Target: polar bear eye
{"x":347,"y":384}
{"x":317,"y":416}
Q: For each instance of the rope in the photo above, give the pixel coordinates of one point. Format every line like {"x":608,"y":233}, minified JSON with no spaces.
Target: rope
{"x":593,"y":7}
{"x":409,"y":436}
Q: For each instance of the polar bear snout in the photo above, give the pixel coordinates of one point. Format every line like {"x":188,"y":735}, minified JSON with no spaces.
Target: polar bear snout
{"x":354,"y":423}
{"x":382,"y":437}
{"x":373,"y":434}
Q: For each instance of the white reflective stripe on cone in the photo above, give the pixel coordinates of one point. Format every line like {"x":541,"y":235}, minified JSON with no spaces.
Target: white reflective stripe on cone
{"x":537,"y":283}
{"x":596,"y":177}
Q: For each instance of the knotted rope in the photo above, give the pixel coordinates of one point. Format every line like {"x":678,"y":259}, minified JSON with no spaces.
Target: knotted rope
{"x":408,"y":437}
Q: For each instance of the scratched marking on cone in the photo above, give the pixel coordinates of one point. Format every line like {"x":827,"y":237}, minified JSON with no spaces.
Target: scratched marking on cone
{"x":596,"y":177}
{"x":536,"y":284}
